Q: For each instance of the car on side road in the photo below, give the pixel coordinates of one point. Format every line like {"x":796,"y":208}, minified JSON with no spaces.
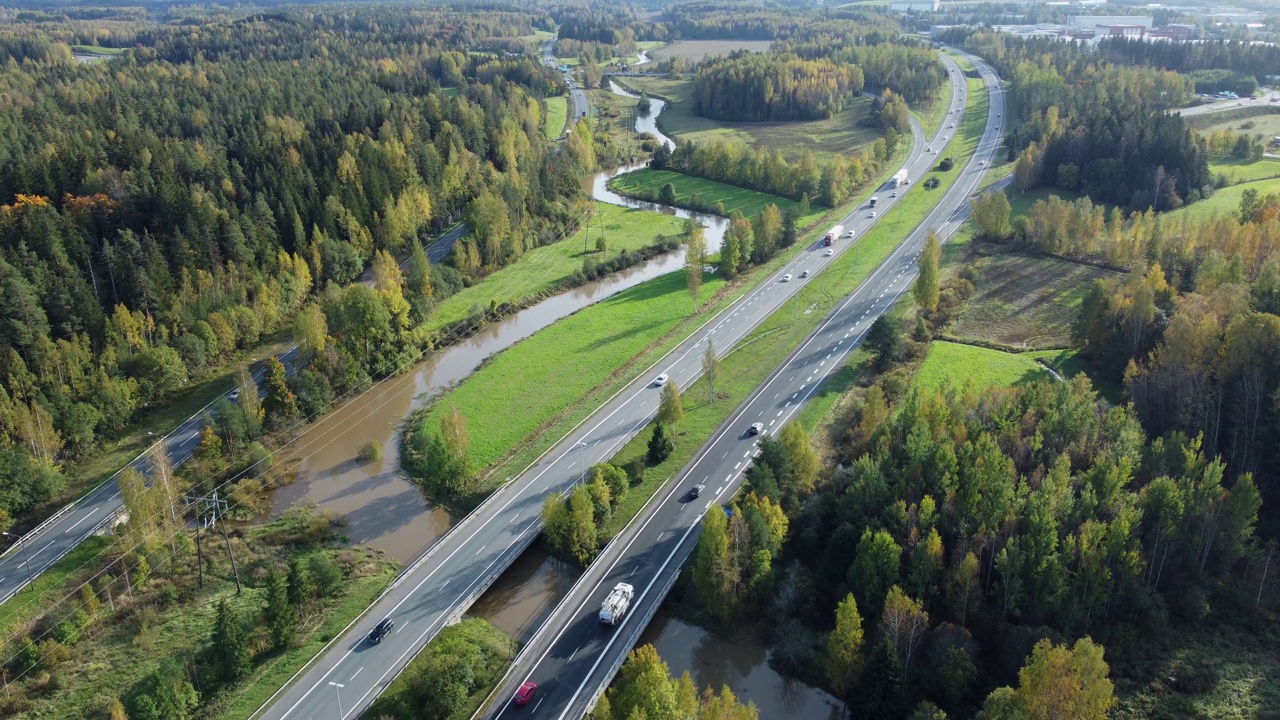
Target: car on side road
{"x":755,"y":429}
{"x":381,"y":630}
{"x":660,"y":380}
{"x":525,"y":693}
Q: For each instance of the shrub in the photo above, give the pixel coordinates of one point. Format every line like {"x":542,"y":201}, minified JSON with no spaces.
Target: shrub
{"x":946,"y":164}
{"x":326,"y":576}
{"x":371,"y":452}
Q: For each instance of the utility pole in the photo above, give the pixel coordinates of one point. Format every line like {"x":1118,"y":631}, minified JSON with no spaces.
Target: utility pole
{"x":215,"y":507}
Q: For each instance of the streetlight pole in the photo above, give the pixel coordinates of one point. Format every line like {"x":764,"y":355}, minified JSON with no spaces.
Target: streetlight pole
{"x":581,"y":447}
{"x":337,"y":689}
{"x":31,"y":580}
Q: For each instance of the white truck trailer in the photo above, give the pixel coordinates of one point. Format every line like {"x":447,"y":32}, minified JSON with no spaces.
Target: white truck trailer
{"x":615,"y":606}
{"x":900,"y":178}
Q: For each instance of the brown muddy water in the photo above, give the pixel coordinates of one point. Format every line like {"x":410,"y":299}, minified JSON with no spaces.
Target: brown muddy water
{"x":523,"y":597}
{"x":740,"y":663}
{"x":383,"y":509}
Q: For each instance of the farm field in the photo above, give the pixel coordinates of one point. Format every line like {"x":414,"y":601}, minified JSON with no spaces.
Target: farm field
{"x":648,"y":183}
{"x":696,"y":50}
{"x":1258,"y":119}
{"x":1026,"y":300}
{"x":840,"y":133}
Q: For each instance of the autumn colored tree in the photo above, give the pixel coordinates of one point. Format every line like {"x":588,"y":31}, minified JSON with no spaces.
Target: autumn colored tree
{"x":844,"y":647}
{"x":926,"y":287}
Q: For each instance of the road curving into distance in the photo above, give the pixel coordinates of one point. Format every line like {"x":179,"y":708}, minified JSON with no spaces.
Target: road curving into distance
{"x":60,"y":534}
{"x":437,"y":588}
{"x":574,"y":656}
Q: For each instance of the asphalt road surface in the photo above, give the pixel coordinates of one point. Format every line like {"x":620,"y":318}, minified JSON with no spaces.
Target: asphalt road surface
{"x":574,"y":654}
{"x":438,"y":587}
{"x":581,"y":108}
{"x":59,"y":535}
{"x":1266,"y":100}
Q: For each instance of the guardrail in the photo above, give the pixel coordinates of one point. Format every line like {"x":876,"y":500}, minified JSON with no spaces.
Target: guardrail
{"x":547,"y":624}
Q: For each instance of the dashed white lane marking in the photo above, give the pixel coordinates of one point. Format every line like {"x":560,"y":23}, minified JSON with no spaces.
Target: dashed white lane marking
{"x":735,"y":467}
{"x":353,"y":677}
{"x":480,"y":550}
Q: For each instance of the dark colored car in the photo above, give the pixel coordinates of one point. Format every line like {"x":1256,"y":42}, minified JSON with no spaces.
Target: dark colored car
{"x":696,"y":491}
{"x":380,"y":630}
{"x":525,"y":693}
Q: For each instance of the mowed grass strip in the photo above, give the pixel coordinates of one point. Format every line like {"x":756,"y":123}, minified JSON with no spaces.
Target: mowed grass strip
{"x":551,"y":265}
{"x":647,"y":183}
{"x":557,"y":113}
{"x":527,"y":385}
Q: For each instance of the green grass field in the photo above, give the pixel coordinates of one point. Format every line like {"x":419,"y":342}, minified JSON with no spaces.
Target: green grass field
{"x":840,"y":133}
{"x":1241,"y":171}
{"x":760,"y":353}
{"x":559,"y":365}
{"x":96,"y":50}
{"x":955,"y":365}
{"x":557,"y":114}
{"x":648,"y":183}
{"x":1026,"y":300}
{"x":1254,"y":119}
{"x":551,"y":265}
{"x":1224,"y":202}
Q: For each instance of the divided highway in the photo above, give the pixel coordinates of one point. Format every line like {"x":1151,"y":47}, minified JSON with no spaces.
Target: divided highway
{"x":574,"y":656}
{"x":581,"y":108}
{"x":59,"y":535}
{"x":436,"y":589}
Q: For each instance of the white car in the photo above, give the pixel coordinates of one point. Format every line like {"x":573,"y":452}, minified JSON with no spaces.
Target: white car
{"x":983,"y":163}
{"x":786,"y":278}
{"x":952,"y":125}
{"x":660,"y":380}
{"x":873,"y":214}
{"x":830,"y":252}
{"x":893,"y":194}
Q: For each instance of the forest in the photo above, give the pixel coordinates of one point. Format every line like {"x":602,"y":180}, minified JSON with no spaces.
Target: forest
{"x":753,"y":87}
{"x":1096,"y":128}
{"x":804,"y":180}
{"x":154,"y":225}
{"x":1257,"y":60}
{"x":910,"y":69}
{"x":965,"y":532}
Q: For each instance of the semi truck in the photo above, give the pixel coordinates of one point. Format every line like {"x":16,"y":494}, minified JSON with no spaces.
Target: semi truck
{"x":615,"y":606}
{"x":874,"y":199}
{"x":832,"y":235}
{"x":899,"y":178}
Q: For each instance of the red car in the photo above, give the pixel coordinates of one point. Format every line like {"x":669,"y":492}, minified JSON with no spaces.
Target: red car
{"x":525,"y":693}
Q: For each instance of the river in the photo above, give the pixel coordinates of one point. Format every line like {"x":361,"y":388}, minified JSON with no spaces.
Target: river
{"x":383,"y":509}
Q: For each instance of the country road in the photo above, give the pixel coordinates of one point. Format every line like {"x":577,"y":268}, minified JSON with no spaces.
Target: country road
{"x":61,"y":533}
{"x":574,"y":656}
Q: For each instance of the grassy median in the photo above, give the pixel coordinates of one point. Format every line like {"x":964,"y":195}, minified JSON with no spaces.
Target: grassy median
{"x":557,"y":114}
